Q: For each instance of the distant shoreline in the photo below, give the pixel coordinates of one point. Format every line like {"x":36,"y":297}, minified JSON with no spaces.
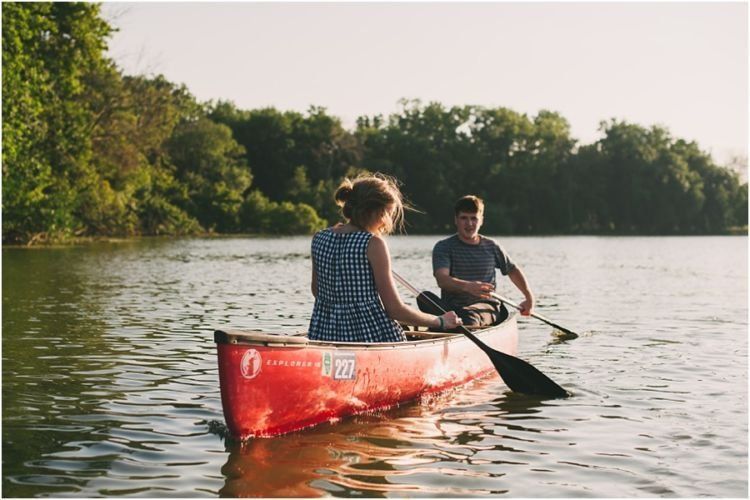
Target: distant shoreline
{"x":87,"y":240}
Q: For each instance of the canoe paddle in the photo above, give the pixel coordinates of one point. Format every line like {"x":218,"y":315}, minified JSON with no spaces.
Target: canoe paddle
{"x":517,"y":374}
{"x":570,"y":333}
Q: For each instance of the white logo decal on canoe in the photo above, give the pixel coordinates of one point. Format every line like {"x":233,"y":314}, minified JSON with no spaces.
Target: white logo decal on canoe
{"x":251,"y":363}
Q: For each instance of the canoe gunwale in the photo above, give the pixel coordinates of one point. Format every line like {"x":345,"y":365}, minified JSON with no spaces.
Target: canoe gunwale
{"x":299,"y":340}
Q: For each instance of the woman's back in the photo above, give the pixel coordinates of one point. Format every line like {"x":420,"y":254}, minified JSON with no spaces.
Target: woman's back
{"x":347,"y":305}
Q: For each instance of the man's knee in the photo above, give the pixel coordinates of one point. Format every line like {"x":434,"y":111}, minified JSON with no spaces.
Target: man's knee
{"x":469,"y":316}
{"x":484,"y":314}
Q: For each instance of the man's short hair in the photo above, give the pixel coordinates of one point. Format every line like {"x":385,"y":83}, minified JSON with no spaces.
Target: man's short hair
{"x":470,"y":204}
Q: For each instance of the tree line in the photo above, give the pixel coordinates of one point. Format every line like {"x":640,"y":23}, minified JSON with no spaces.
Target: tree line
{"x":91,"y":151}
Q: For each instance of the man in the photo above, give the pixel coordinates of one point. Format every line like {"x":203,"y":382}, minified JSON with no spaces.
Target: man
{"x":464,"y":267}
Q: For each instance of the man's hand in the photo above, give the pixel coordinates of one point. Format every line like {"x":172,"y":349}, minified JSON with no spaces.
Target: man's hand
{"x":527,"y":306}
{"x":479,"y":289}
{"x":518,"y":279}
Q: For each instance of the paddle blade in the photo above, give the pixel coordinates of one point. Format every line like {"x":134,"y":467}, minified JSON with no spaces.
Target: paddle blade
{"x":564,"y":331}
{"x":519,"y":375}
{"x":564,"y":334}
{"x":522,"y":377}
{"x":571,"y":334}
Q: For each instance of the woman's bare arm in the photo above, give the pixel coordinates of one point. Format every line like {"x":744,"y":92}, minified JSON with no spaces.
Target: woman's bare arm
{"x":380,"y":260}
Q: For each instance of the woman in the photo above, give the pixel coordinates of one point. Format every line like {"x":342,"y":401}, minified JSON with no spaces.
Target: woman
{"x":355,"y":297}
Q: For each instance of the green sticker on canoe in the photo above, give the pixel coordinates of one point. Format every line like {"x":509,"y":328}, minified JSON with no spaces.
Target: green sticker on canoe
{"x":326,"y":364}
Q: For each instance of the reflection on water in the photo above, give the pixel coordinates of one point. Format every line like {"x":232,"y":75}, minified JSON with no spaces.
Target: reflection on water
{"x":379,"y":454}
{"x":110,"y":380}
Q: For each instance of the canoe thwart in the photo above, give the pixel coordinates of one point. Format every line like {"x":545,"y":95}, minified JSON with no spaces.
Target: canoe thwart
{"x":425,"y":335}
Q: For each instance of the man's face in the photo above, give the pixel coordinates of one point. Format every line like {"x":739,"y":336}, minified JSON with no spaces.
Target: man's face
{"x":468,"y":224}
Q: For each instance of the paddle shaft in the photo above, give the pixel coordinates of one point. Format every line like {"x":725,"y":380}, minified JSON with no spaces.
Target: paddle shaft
{"x":518,"y":375}
{"x":463,"y":329}
{"x":533,"y":315}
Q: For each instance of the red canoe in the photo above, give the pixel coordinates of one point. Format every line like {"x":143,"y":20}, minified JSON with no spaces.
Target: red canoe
{"x":274,"y":384}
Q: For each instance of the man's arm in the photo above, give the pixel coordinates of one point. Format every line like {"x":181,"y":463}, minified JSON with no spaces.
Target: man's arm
{"x":478,"y":289}
{"x":518,"y":279}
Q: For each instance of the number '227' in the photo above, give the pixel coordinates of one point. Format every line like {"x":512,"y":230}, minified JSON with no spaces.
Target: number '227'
{"x":344,"y":368}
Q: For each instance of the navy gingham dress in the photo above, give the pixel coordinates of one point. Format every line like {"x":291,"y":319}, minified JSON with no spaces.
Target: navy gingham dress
{"x":348,"y":307}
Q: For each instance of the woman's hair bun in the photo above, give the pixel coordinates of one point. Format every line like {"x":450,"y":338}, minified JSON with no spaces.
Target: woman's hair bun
{"x":344,"y":192}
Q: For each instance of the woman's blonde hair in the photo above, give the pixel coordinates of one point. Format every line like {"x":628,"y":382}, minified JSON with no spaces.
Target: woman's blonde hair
{"x":366,"y":199}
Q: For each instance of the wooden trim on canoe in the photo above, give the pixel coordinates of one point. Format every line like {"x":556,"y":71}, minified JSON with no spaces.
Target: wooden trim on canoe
{"x":249,"y":337}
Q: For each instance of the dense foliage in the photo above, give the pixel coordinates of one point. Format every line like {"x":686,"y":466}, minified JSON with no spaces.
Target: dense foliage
{"x":89,"y":151}
{"x":535,"y":179}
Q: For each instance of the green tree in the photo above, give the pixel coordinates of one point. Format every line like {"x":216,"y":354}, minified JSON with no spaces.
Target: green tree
{"x":260,"y":215}
{"x":48,"y":51}
{"x":293,"y":156}
{"x":424,"y":147}
{"x":90,"y":151}
{"x":441,"y":153}
{"x":210,"y":163}
{"x":134,"y":117}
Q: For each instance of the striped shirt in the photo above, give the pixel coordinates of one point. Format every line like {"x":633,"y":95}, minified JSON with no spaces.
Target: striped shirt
{"x":471,"y":263}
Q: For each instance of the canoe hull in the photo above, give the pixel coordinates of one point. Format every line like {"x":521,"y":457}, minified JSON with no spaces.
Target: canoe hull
{"x":271,"y":387}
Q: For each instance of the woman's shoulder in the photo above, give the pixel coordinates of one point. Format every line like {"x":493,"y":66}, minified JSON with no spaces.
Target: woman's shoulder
{"x":376,"y":239}
{"x":322,"y":232}
{"x":352,"y":239}
{"x":322,"y":237}
{"x":346,"y":229}
{"x":377,"y":246}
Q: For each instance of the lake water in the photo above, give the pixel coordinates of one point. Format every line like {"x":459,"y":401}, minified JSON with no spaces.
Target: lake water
{"x":110,"y":386}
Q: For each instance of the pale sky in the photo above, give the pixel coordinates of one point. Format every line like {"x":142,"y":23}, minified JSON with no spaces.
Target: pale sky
{"x":680,"y":65}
